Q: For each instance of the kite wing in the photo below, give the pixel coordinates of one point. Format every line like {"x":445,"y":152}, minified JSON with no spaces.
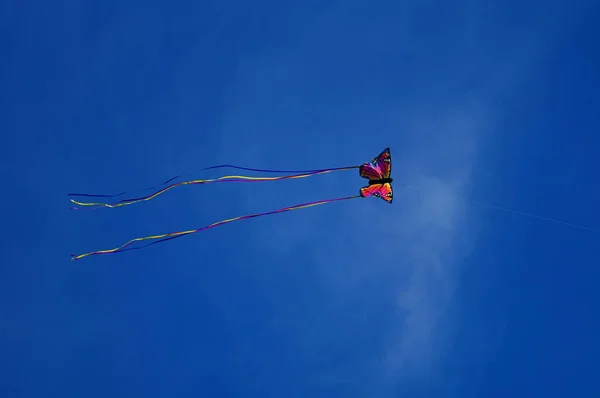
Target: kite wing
{"x":383,"y":191}
{"x":378,"y":172}
{"x":379,"y":168}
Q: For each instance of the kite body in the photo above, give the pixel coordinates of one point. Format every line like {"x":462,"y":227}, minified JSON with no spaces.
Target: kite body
{"x":378,"y":172}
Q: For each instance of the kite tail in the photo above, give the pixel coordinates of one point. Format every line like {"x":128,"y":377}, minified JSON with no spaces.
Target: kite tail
{"x":91,"y":195}
{"x":318,"y":171}
{"x":173,"y":235}
{"x":279,"y":171}
{"x":126,"y":202}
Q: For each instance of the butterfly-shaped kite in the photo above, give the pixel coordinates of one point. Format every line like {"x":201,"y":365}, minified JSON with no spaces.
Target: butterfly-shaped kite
{"x":378,"y":172}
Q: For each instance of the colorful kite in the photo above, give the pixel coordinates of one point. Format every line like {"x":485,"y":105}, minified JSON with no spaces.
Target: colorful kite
{"x":378,"y":172}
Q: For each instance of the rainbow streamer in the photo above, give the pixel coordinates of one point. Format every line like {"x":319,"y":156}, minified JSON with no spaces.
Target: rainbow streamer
{"x":126,"y":202}
{"x":210,"y":168}
{"x":173,"y":235}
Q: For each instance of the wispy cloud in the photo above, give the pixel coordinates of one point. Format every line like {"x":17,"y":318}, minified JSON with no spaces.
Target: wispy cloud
{"x":435,"y":234}
{"x":434,"y":123}
{"x":412,"y":245}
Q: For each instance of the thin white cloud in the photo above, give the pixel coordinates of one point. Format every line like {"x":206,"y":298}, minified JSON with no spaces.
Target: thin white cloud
{"x":416,"y":245}
{"x":434,"y":137}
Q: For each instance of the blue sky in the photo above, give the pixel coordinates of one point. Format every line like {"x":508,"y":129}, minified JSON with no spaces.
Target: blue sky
{"x":494,"y":101}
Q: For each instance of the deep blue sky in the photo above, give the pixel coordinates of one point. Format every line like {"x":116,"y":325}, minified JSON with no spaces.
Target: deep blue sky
{"x":495,"y":101}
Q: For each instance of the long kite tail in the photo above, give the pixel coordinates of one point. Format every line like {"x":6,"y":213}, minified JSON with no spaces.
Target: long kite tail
{"x":317,"y":171}
{"x":164,"y":237}
{"x":126,"y":202}
{"x":278,"y":171}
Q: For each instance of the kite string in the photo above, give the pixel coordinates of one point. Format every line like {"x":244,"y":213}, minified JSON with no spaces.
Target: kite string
{"x":126,"y":202}
{"x":164,"y":237}
{"x":215,"y":167}
{"x":535,"y":216}
{"x":518,"y":212}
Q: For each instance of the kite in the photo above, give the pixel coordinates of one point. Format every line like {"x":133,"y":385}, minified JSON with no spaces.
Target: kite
{"x":377,"y":172}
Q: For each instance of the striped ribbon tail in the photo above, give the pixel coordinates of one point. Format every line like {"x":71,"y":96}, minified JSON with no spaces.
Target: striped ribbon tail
{"x":91,"y":195}
{"x":233,"y":178}
{"x":165,"y":237}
